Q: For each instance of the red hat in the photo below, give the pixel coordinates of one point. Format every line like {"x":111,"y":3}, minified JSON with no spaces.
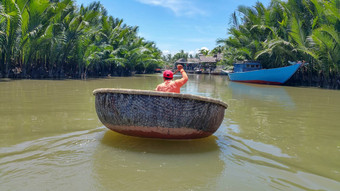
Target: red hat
{"x":168,"y":74}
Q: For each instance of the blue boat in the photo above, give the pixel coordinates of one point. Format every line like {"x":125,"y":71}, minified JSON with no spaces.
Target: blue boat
{"x":252,"y":72}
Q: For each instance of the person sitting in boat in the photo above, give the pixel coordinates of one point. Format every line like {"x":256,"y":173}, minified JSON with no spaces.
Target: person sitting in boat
{"x":172,"y":86}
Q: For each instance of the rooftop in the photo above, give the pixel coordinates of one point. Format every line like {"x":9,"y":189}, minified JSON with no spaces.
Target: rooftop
{"x":201,"y":59}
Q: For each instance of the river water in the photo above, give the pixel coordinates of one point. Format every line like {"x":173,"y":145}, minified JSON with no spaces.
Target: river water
{"x":272,"y":138}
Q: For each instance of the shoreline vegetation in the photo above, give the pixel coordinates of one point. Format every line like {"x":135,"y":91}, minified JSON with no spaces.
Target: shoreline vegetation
{"x":285,"y":31}
{"x":59,"y":39}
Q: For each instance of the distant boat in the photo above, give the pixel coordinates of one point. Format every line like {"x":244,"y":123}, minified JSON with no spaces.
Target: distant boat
{"x":252,"y":72}
{"x":158,"y":70}
{"x":226,"y":72}
{"x":218,"y":71}
{"x":198,"y":72}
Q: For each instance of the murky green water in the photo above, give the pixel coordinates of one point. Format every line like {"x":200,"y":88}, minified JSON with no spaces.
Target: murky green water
{"x":272,"y":138}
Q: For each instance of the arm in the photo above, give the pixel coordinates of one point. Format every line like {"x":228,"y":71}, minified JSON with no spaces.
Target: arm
{"x":157,"y":88}
{"x":184,"y":78}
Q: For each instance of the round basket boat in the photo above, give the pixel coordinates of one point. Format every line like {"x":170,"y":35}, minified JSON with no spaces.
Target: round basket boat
{"x":158,"y":114}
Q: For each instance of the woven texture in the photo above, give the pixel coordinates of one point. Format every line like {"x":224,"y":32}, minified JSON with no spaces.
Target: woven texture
{"x":149,"y":109}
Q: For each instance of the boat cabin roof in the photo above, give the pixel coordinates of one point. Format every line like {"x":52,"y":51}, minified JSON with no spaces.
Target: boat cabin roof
{"x":247,"y":66}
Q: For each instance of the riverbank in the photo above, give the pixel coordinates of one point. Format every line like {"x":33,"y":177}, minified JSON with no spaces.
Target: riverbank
{"x":303,"y":77}
{"x":44,"y":73}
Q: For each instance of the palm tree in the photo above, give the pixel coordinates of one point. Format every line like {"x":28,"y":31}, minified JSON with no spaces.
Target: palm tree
{"x":325,"y":38}
{"x":36,"y":17}
{"x":10,"y":34}
{"x":180,"y":54}
{"x":63,"y":39}
{"x":293,"y":30}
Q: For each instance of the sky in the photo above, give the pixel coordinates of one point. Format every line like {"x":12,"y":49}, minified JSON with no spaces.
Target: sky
{"x":175,"y":25}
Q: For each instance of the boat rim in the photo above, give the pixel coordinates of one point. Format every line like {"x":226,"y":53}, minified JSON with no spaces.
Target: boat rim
{"x":161,"y":94}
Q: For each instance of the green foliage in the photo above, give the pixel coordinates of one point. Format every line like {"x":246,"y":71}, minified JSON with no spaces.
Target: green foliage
{"x":180,"y":55}
{"x":286,"y":30}
{"x":60,"y":39}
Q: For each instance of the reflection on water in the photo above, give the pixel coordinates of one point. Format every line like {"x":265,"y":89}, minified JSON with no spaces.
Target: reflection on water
{"x":272,"y":138}
{"x":160,"y":146}
{"x":289,"y":136}
{"x":150,"y":164}
{"x":264,"y":93}
{"x":51,"y":163}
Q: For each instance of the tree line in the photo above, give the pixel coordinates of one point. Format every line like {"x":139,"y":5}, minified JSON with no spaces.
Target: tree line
{"x":288,"y":31}
{"x":58,"y":39}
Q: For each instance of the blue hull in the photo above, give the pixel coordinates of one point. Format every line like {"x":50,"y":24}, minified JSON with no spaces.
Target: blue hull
{"x":265,"y":76}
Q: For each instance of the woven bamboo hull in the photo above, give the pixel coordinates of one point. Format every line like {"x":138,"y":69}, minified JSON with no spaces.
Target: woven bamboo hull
{"x":158,"y":114}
